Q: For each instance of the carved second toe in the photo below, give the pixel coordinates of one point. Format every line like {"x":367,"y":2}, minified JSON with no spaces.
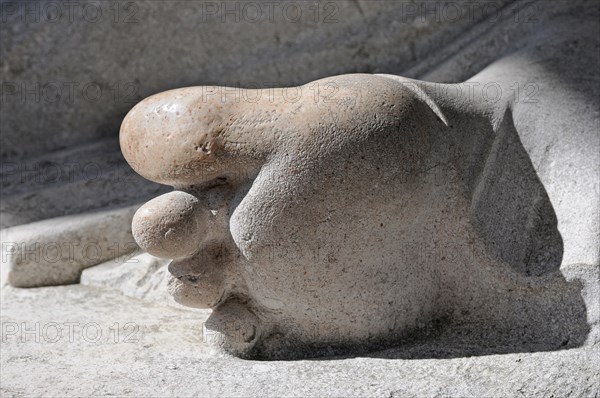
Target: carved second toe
{"x":167,"y":226}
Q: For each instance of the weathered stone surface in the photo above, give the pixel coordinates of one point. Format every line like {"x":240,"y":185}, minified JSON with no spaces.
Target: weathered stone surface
{"x":531,"y":210}
{"x":60,"y":115}
{"x":55,"y":251}
{"x":139,"y":275}
{"x":166,"y":356}
{"x":415,"y":40}
{"x":82,"y":92}
{"x":77,"y":180}
{"x":347,"y":221}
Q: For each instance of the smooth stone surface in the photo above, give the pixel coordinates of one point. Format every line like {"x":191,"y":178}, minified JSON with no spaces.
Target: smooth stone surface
{"x":172,"y":236}
{"x":166,"y":357}
{"x":55,"y":251}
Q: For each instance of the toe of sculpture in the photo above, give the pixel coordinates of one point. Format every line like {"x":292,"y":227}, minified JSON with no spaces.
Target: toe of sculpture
{"x":167,"y":226}
{"x":233,"y":328}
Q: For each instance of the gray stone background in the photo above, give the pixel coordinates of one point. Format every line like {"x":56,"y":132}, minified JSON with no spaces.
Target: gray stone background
{"x":70,"y":73}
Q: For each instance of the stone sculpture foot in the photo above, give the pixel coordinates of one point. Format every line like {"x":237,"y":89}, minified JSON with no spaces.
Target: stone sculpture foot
{"x":245,"y":170}
{"x":312,"y":217}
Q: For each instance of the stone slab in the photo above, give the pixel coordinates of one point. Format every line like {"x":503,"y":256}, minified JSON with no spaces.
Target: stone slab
{"x":55,"y":251}
{"x":166,"y":357}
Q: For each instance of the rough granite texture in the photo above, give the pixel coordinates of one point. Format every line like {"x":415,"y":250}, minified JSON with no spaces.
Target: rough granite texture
{"x":316,"y":231}
{"x":349,"y":219}
{"x":139,"y":275}
{"x":546,"y":50}
{"x":166,"y":357}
